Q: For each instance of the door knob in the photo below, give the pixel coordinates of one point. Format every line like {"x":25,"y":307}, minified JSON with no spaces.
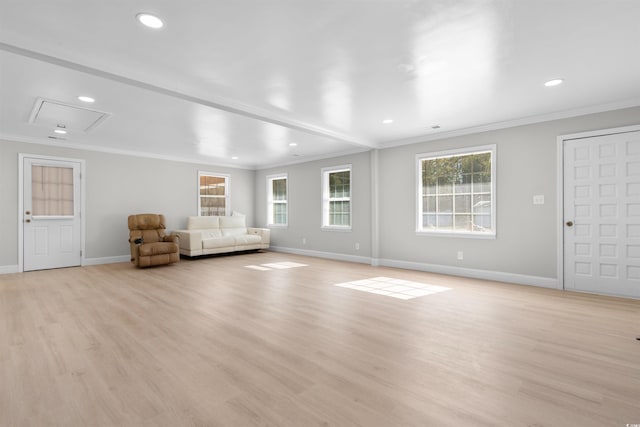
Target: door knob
{"x":569,"y":223}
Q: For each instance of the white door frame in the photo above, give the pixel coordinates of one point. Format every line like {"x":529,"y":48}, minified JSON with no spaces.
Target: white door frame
{"x":21,"y":157}
{"x":560,"y":186}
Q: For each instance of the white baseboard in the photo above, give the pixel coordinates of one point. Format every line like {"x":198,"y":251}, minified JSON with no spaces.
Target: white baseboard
{"x":106,"y":260}
{"x":498,"y":276}
{"x":8,"y":269}
{"x":320,"y":254}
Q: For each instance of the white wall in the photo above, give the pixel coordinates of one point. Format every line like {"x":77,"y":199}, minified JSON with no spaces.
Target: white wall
{"x":305,"y":208}
{"x":526,"y":242}
{"x":117,"y":186}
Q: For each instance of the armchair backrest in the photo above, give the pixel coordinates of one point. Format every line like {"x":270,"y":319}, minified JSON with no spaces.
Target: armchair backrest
{"x":149,"y":227}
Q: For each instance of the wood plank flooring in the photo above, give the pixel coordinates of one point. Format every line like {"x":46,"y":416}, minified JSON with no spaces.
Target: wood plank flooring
{"x":209,"y":342}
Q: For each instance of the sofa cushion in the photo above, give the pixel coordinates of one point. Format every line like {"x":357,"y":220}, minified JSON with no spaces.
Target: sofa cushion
{"x":219,"y":242}
{"x":202,"y":222}
{"x":211,"y":233}
{"x":247,"y":239}
{"x":233,"y":225}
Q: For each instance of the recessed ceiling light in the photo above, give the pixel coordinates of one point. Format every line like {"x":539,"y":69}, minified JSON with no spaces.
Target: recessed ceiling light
{"x":235,"y":158}
{"x":60,"y":131}
{"x":149,"y":20}
{"x":554,"y":82}
{"x":293,"y":144}
{"x":86,"y":99}
{"x":387,"y":121}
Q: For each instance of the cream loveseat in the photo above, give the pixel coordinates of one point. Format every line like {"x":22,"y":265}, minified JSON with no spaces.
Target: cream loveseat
{"x":207,"y":235}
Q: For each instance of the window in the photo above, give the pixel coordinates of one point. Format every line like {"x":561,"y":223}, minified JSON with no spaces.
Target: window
{"x":213,"y":194}
{"x":336,"y":198}
{"x":277,"y":194}
{"x":52,"y":191}
{"x":456,"y":192}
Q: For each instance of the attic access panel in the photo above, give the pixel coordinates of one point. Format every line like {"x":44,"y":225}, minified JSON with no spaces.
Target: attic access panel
{"x":51,"y":113}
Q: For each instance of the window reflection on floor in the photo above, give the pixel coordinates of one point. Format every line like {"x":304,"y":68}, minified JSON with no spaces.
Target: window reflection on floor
{"x":275,"y":266}
{"x":396,"y":288}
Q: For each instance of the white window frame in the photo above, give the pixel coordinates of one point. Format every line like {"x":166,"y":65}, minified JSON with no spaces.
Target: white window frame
{"x":454,"y":153}
{"x":326,"y":199}
{"x":227,"y":195}
{"x":271,"y":202}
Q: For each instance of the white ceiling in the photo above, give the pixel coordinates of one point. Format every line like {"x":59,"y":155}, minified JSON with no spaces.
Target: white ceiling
{"x":246,"y":78}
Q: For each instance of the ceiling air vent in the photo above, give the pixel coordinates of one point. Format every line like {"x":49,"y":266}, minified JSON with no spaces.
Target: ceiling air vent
{"x":49,"y":113}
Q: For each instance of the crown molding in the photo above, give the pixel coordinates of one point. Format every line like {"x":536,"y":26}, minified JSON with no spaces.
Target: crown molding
{"x":619,"y":105}
{"x":62,"y":144}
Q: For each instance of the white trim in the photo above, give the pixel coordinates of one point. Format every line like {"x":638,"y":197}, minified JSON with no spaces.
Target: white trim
{"x":489,"y":148}
{"x":460,"y":234}
{"x":601,"y":132}
{"x":324,"y":193}
{"x":308,"y":159}
{"x":320,"y":254}
{"x":339,"y":228}
{"x":107,"y":260}
{"x":83,"y":198}
{"x":269,"y":182}
{"x":142,"y":154}
{"x":498,"y":276}
{"x":560,"y":211}
{"x":561,"y":139}
{"x":9,"y":269}
{"x":375,"y":204}
{"x":227,"y":189}
{"x":628,"y":103}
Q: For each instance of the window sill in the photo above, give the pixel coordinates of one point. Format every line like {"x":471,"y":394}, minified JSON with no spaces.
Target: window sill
{"x":278,"y":226}
{"x":486,"y":236}
{"x":335,"y":228}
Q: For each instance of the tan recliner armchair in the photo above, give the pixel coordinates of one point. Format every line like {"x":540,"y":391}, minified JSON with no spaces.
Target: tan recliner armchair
{"x":149,"y":243}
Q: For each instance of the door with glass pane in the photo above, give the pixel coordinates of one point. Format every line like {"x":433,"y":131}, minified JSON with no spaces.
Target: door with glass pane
{"x":602,"y":214}
{"x":51,"y":214}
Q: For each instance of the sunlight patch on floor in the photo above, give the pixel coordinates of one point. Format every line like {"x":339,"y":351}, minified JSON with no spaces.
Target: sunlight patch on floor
{"x":275,"y":266}
{"x":396,"y":288}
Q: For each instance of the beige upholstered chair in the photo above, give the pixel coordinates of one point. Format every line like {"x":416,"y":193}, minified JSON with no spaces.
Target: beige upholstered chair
{"x":149,"y":243}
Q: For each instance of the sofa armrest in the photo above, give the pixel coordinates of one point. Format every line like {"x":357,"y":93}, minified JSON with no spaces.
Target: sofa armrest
{"x":264,"y":233}
{"x":172,"y":238}
{"x":189,"y":239}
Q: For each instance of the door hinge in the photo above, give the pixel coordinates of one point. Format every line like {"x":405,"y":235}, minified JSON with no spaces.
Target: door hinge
{"x":80,"y":253}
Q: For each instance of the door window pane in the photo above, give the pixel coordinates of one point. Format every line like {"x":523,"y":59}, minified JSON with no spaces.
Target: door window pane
{"x":51,"y":191}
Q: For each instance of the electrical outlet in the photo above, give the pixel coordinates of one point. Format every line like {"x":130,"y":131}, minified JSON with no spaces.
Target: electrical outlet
{"x":304,"y":240}
{"x":460,"y":255}
{"x":357,"y":246}
{"x":538,"y":200}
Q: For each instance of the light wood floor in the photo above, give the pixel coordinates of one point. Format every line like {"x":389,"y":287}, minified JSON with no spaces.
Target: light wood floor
{"x":212,"y":343}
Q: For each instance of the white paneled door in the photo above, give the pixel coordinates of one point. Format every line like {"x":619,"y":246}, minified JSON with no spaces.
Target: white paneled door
{"x":51,"y":214}
{"x":602,"y":214}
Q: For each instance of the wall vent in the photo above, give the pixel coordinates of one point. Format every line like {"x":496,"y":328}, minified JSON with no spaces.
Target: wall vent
{"x":52,"y":114}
